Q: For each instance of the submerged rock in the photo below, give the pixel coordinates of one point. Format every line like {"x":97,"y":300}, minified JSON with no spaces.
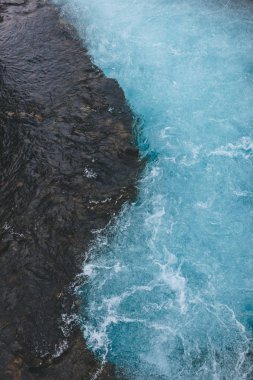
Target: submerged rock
{"x":67,"y":164}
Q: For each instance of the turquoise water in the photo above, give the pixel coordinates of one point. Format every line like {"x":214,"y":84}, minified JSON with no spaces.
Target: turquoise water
{"x":168,"y":284}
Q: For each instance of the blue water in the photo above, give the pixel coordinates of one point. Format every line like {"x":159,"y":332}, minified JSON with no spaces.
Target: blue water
{"x":168,"y":285}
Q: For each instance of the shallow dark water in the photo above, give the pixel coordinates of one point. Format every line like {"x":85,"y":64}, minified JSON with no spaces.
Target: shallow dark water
{"x":66,"y":165}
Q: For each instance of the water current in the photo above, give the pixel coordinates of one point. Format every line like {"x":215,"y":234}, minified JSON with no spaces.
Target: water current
{"x":167,"y":286}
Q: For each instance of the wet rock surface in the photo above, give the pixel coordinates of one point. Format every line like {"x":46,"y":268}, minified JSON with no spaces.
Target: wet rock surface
{"x":66,"y":166}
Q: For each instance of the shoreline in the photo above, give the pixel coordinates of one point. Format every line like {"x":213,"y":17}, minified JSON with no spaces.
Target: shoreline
{"x":67,"y":165}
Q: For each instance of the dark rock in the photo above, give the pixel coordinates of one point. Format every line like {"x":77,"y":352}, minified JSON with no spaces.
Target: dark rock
{"x":12,"y":2}
{"x":61,"y":149}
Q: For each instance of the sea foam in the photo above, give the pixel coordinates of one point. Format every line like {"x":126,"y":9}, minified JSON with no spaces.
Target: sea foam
{"x":168,"y":286}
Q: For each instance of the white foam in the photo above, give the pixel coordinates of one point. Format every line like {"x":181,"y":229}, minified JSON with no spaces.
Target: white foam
{"x":242,"y":148}
{"x":89,"y":173}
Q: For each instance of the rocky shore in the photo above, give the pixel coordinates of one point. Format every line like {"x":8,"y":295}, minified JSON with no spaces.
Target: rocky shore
{"x":67,"y":164}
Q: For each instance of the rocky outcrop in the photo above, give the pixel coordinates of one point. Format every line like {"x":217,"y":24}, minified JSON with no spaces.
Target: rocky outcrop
{"x":67,"y":164}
